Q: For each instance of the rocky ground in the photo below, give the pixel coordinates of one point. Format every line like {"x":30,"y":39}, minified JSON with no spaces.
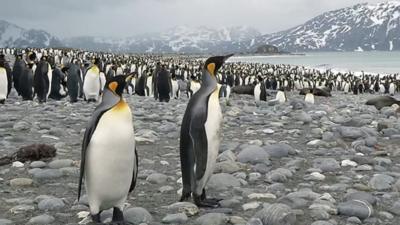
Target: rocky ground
{"x":332,"y":163}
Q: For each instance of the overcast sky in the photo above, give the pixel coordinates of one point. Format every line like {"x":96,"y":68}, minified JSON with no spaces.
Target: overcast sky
{"x":122,"y":18}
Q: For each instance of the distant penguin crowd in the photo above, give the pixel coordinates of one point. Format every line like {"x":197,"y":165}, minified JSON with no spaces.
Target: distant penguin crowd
{"x":42,"y":74}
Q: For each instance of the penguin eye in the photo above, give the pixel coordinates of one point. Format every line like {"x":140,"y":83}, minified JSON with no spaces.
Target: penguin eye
{"x":211,"y":68}
{"x":113,"y":86}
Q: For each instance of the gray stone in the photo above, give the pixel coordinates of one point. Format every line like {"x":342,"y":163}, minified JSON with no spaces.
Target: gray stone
{"x":186,"y":207}
{"x":276,"y":214}
{"x":42,"y":219}
{"x":321,"y":222}
{"x":226,"y":167}
{"x":212,"y":219}
{"x":278,"y":150}
{"x":381,"y":182}
{"x":60,"y":163}
{"x":47,"y":174}
{"x":363,"y":196}
{"x":395,"y":209}
{"x":23,"y":208}
{"x":38,"y":164}
{"x":50,"y":204}
{"x":6,"y":222}
{"x":21,"y":182}
{"x":223,"y":181}
{"x":357,"y":208}
{"x":326,"y":164}
{"x":157,"y":178}
{"x":253,"y":154}
{"x":351,"y":132}
{"x":178,"y":218}
{"x":303,"y":117}
{"x":137,"y":215}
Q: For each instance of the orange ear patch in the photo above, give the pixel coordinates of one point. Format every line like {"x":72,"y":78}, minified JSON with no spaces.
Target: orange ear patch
{"x":113,"y":86}
{"x":211,"y":68}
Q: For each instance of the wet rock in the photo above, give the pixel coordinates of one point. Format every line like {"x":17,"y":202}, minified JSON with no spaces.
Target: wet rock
{"x":276,"y":214}
{"x":50,"y":204}
{"x":212,"y":219}
{"x":60,"y":163}
{"x":223,"y":181}
{"x":42,"y":219}
{"x":381,"y":182}
{"x":137,"y":215}
{"x":326,"y":164}
{"x":253,"y":154}
{"x":179,"y":218}
{"x":21,"y":182}
{"x":279,"y":150}
{"x":357,"y":208}
{"x":157,"y":178}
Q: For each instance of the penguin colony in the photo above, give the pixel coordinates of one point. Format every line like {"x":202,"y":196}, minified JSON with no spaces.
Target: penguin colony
{"x":40,"y":74}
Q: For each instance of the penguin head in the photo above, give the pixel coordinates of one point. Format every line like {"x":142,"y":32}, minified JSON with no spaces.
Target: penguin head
{"x":117,"y":84}
{"x":213,"y":64}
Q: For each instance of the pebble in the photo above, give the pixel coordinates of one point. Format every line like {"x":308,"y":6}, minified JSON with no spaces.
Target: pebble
{"x":212,"y":219}
{"x":60,"y":163}
{"x":21,"y":182}
{"x":253,"y":154}
{"x":357,"y":208}
{"x":42,"y":219}
{"x":178,"y":218}
{"x":188,"y":208}
{"x":17,"y":164}
{"x":250,"y":205}
{"x":6,"y":222}
{"x":51,"y":204}
{"x":381,"y":182}
{"x":157,"y":178}
{"x":137,"y":215}
{"x":223,"y":181}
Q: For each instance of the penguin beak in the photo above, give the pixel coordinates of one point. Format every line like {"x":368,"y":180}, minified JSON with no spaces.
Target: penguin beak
{"x":228,"y":56}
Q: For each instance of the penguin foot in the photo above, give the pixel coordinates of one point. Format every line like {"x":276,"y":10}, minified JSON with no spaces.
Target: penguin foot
{"x":2,"y":101}
{"x":207,"y":203}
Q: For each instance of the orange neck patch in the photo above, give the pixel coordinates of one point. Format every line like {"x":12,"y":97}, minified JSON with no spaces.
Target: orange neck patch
{"x":121,"y":106}
{"x":113,"y":86}
{"x":211,"y":68}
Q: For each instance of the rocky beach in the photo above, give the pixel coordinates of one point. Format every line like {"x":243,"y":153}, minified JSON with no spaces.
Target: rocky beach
{"x":332,"y":163}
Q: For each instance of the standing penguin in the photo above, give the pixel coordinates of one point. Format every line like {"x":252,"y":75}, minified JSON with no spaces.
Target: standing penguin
{"x":26,"y":82}
{"x":92,"y":84}
{"x":260,"y":92}
{"x":74,"y":83}
{"x":109,"y":163}
{"x":200,"y":136}
{"x":163,"y":85}
{"x":3,"y":85}
{"x":281,"y":96}
{"x":309,"y":98}
{"x":42,"y":80}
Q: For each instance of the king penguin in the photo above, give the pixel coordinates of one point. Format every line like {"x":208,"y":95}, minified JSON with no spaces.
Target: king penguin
{"x":200,"y":136}
{"x":92,"y":84}
{"x":109,"y":163}
{"x":309,"y":98}
{"x":281,"y":96}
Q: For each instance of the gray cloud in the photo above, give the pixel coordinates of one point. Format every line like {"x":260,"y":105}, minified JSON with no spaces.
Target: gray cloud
{"x":122,"y":18}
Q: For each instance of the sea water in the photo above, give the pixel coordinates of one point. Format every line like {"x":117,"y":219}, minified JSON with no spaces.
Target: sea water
{"x":375,"y":62}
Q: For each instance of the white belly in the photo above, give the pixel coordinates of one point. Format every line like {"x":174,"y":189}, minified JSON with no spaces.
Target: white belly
{"x":194,"y":86}
{"x":280,"y":97}
{"x":110,"y":161}
{"x":150,"y":85}
{"x":381,"y":88}
{"x":102,"y":80}
{"x":50,"y":76}
{"x":174,"y":87}
{"x":257,"y":92}
{"x":391,"y":89}
{"x":3,"y":84}
{"x":309,"y":98}
{"x":91,"y":86}
{"x":212,"y":126}
{"x":228,"y":91}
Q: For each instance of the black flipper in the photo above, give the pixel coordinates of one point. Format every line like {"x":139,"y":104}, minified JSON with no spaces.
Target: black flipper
{"x":135,"y":172}
{"x":108,"y":101}
{"x":199,"y":140}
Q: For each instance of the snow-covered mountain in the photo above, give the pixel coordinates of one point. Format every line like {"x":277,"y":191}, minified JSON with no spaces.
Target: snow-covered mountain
{"x":12,"y":35}
{"x":180,"y":39}
{"x":362,"y":27}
